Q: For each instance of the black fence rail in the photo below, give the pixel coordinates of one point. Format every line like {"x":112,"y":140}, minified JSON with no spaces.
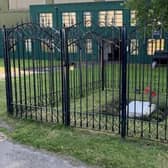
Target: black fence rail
{"x":87,"y":79}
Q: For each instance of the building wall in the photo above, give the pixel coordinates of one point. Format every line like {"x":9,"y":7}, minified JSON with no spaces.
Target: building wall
{"x":23,"y":5}
{"x":10,"y":17}
{"x":15,"y":11}
{"x":141,"y":48}
{"x":39,"y":14}
{"x":78,"y":8}
{"x":71,"y":1}
{"x":79,"y":1}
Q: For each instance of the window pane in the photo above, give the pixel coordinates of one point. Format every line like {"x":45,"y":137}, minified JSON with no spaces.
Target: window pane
{"x":110,"y":18}
{"x":44,"y":47}
{"x":13,"y":44}
{"x":155,"y":45}
{"x":134,"y":47}
{"x":68,"y":19}
{"x":28,"y":45}
{"x":118,"y":18}
{"x":89,"y":49}
{"x":87,"y":19}
{"x":46,"y":19}
{"x":72,"y":47}
{"x":102,"y":18}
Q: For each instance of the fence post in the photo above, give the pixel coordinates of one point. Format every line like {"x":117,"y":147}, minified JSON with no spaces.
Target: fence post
{"x":124,"y":80}
{"x":65,"y":77}
{"x":8,"y":80}
{"x":102,"y":65}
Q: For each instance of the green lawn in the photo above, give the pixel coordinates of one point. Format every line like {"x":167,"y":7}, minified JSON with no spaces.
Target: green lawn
{"x":1,"y":62}
{"x":92,"y":98}
{"x":103,"y":150}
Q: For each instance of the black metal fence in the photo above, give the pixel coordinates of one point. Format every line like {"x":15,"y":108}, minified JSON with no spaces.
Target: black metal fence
{"x":85,"y":78}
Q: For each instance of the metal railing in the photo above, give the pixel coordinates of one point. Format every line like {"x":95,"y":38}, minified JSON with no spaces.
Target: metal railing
{"x":60,"y":76}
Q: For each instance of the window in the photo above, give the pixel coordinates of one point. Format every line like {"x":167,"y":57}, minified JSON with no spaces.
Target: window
{"x":72,"y":47}
{"x":110,"y":18}
{"x":87,"y":18}
{"x":133,"y":18}
{"x":44,"y":47}
{"x":105,"y":18}
{"x":28,"y":45}
{"x":155,"y":45}
{"x":134,"y":47}
{"x":47,"y":45}
{"x":68,"y":19}
{"x":12,"y":43}
{"x":88,"y":46}
{"x":118,"y":18}
{"x":23,"y":5}
{"x":46,"y":19}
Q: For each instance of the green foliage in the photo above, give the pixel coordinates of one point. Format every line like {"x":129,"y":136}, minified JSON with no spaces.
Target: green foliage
{"x":1,"y":62}
{"x":150,"y":12}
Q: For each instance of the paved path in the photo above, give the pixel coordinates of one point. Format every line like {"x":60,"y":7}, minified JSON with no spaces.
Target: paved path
{"x":19,"y":156}
{"x":2,"y":72}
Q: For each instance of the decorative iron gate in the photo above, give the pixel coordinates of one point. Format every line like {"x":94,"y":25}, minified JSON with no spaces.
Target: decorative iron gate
{"x":147,"y":85}
{"x":33,"y":72}
{"x":84,"y":77}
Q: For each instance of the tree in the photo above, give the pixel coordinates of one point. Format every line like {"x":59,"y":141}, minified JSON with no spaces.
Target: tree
{"x":150,"y":12}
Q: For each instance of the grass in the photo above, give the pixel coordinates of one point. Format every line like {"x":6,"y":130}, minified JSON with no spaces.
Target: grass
{"x":100,"y":149}
{"x":95,"y":99}
{"x":95,"y":149}
{"x":1,"y":62}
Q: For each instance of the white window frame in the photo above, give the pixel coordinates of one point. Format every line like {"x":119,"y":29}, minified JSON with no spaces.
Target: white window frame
{"x":72,"y":46}
{"x":28,"y":45}
{"x":89,"y":46}
{"x":87,"y":19}
{"x":46,"y":19}
{"x":13,"y":44}
{"x":134,"y":47}
{"x":68,"y":19}
{"x":155,"y":45}
{"x":111,"y":18}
